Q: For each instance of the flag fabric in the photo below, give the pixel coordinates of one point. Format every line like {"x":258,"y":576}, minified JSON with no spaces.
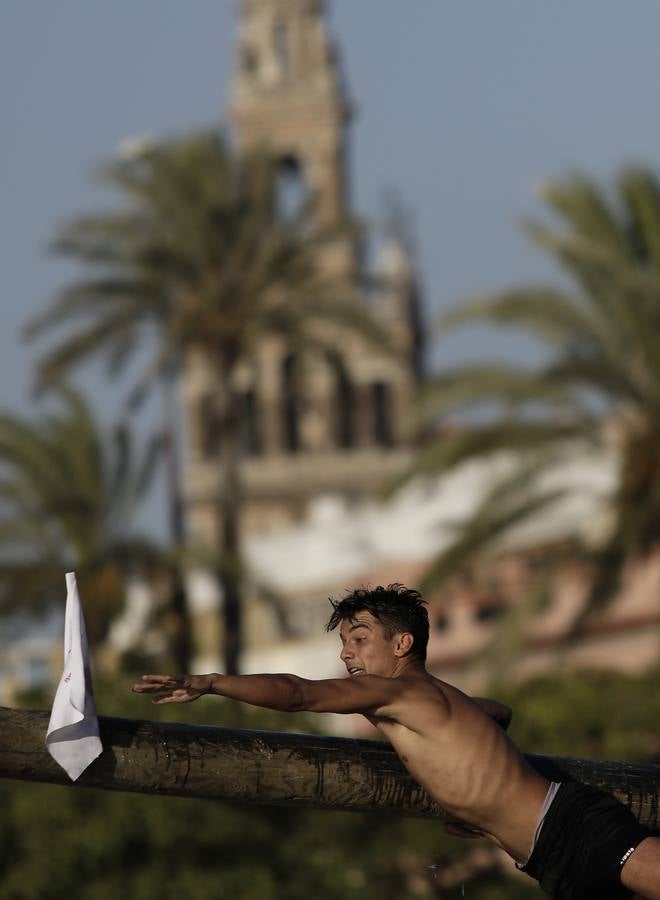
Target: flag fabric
{"x":73,"y":738}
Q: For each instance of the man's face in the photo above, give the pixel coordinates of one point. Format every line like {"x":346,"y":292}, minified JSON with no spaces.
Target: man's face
{"x":365,"y":649}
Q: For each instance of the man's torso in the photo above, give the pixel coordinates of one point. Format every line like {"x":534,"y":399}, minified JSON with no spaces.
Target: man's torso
{"x":466,"y":762}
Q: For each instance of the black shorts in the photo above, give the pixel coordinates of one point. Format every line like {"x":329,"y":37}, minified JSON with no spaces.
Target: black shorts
{"x":586,"y":838}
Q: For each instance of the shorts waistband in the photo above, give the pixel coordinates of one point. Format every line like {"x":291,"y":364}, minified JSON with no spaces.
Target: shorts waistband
{"x":547,"y":803}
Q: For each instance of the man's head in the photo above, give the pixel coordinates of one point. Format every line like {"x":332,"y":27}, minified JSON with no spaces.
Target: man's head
{"x":382,"y":621}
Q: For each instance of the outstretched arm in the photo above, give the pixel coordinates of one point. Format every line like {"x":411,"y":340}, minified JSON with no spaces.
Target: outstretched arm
{"x":369,"y":694}
{"x":496,"y":710}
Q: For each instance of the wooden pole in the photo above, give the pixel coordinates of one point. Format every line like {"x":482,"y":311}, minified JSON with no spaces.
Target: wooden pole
{"x":263,"y":767}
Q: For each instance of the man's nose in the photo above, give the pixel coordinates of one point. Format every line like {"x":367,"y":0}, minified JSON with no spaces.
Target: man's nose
{"x":345,"y":654}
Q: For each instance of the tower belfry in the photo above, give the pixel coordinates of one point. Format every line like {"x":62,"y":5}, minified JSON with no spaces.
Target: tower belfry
{"x":288,"y":94}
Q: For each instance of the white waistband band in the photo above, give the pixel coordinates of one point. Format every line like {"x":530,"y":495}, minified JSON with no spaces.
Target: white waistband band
{"x":547,"y":803}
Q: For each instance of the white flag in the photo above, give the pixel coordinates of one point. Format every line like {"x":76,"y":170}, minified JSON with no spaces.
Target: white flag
{"x":72,"y":738}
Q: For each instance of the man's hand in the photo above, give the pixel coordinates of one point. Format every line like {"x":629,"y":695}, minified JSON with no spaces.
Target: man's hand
{"x":174,"y":688}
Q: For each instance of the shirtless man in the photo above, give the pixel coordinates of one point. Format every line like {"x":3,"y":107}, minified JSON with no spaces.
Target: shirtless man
{"x":579,"y":843}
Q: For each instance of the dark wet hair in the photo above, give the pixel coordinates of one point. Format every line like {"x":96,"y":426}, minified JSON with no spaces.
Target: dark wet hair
{"x":396,"y":607}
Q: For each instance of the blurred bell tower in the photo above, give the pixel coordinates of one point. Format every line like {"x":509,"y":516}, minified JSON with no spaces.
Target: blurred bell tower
{"x":325,"y":433}
{"x":321,"y":435}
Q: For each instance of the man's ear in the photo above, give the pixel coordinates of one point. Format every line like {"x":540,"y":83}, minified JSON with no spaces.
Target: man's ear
{"x":404,"y":643}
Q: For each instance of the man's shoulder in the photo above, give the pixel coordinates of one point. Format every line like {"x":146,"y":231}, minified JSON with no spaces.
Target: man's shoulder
{"x":419,"y":702}
{"x":420,"y":679}
{"x":423,"y":687}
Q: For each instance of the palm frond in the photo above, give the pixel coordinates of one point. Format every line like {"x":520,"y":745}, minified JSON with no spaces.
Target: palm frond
{"x":581,"y":204}
{"x":599,"y":376}
{"x":507,"y":387}
{"x":504,"y":508}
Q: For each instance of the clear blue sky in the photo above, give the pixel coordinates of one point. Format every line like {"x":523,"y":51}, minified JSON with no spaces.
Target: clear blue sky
{"x":463,"y":106}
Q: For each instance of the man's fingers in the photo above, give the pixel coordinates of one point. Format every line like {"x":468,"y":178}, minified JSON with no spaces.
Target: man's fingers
{"x":152,"y":683}
{"x":173,"y":698}
{"x":168,"y":688}
{"x":151,"y":688}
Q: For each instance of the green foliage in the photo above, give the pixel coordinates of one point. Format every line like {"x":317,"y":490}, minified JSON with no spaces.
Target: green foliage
{"x":67,"y":494}
{"x":596,"y":714}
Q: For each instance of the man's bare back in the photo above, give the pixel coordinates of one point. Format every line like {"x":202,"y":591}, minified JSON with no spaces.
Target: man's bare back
{"x":465,"y":761}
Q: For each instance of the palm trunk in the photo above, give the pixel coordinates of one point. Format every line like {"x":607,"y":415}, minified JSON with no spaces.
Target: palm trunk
{"x":229,"y":515}
{"x":180,"y":639}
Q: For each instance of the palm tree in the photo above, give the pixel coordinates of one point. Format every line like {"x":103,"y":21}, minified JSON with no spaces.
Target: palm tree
{"x":199,"y":257}
{"x":67,"y":496}
{"x":598,"y":384}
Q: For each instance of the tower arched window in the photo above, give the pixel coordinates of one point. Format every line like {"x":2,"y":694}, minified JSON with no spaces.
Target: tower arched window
{"x":344,"y":405}
{"x":292,"y":191}
{"x":250,"y":430}
{"x":382,"y":415}
{"x":209,"y":427}
{"x":281,"y":47}
{"x":290,"y":405}
{"x":249,"y":60}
